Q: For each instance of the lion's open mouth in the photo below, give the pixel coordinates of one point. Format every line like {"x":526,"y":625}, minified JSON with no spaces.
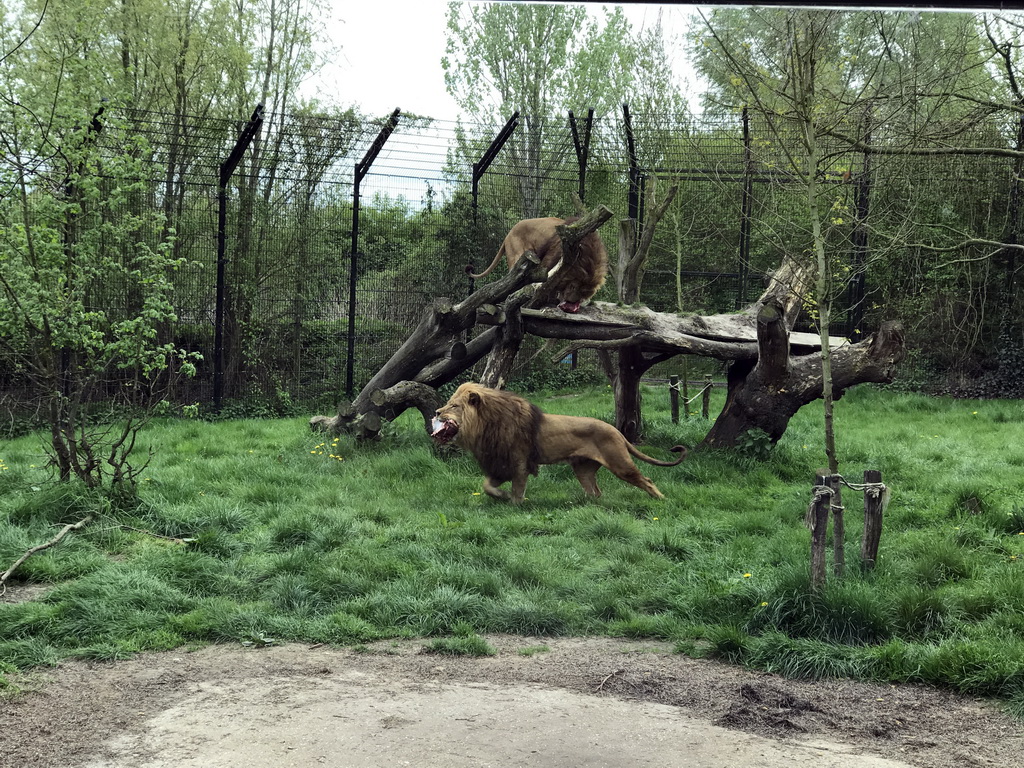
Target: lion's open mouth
{"x":570,"y":306}
{"x":444,"y":431}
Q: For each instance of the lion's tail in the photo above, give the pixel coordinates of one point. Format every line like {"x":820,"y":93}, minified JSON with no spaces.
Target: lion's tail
{"x":682,"y":450}
{"x":494,"y":263}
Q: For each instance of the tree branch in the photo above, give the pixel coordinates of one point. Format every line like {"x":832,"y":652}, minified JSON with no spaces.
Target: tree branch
{"x":40,"y":547}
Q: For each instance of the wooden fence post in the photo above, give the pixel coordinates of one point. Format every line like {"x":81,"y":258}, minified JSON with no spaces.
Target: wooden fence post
{"x":838,"y":526}
{"x":817,"y":521}
{"x":686,"y":389}
{"x":673,"y":396}
{"x":874,"y":507}
{"x":706,"y":408}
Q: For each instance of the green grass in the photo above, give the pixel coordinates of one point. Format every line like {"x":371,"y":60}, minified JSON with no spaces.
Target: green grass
{"x":259,"y":531}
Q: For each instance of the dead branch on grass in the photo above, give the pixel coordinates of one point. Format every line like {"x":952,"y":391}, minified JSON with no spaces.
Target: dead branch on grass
{"x":40,"y":547}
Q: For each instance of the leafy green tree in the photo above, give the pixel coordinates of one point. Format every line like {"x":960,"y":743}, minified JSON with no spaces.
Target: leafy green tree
{"x":543,"y":60}
{"x":930,"y":101}
{"x":67,"y":249}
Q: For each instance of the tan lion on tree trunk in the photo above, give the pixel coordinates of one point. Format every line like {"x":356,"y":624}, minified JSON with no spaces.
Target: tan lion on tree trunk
{"x":510,"y":437}
{"x":571,"y":285}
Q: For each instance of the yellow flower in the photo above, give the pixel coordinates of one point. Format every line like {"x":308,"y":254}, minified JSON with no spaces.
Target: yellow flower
{"x":746,"y":575}
{"x":655,"y":518}
{"x":763,"y":604}
{"x":476,"y":493}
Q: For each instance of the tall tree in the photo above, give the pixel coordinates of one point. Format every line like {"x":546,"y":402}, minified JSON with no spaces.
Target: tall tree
{"x":543,"y":60}
{"x":799,"y":88}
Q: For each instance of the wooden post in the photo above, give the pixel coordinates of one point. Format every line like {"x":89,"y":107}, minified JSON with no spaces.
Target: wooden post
{"x":817,"y":519}
{"x":706,"y":406}
{"x":686,"y":389}
{"x":673,"y":396}
{"x":838,"y":526}
{"x":874,"y":506}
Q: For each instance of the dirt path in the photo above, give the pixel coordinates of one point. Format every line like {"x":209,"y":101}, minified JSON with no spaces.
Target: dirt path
{"x":582,"y":702}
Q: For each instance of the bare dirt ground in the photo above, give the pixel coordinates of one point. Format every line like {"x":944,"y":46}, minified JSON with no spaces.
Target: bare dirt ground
{"x":581,"y":702}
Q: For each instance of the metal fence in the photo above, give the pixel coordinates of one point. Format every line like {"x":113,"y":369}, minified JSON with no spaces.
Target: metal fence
{"x":317,"y":242}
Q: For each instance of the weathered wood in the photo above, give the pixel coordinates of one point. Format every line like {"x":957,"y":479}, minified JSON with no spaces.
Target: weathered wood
{"x":770,"y":377}
{"x":442,"y":371}
{"x":40,"y":547}
{"x":506,"y":346}
{"x":673,"y":397}
{"x":404,"y":395}
{"x":838,"y":526}
{"x":626,"y":391}
{"x":705,"y":405}
{"x":817,"y":520}
{"x":439,"y":330}
{"x":610,"y":326}
{"x":627,"y":247}
{"x":632,"y":263}
{"x":766,"y":395}
{"x":875,"y":494}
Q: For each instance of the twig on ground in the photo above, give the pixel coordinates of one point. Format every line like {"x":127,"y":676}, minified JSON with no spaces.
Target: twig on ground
{"x":607,"y":678}
{"x":40,"y":547}
{"x":175,"y":539}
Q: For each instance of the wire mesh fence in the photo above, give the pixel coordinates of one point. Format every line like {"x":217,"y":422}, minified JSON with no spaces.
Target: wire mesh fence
{"x":329,"y":260}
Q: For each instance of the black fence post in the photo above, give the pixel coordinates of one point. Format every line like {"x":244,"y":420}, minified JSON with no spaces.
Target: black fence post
{"x":859,"y":240}
{"x":353,"y":274}
{"x":480,"y":168}
{"x":582,"y":148}
{"x":634,"y":202}
{"x":227,"y":169}
{"x":746,"y":206}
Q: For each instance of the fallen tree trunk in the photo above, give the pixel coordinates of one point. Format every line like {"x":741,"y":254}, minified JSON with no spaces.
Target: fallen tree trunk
{"x":437,"y":338}
{"x":773,"y":370}
{"x":767,"y":393}
{"x":434,"y":353}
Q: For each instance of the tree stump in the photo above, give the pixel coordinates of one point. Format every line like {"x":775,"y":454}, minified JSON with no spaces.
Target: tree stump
{"x":767,"y":393}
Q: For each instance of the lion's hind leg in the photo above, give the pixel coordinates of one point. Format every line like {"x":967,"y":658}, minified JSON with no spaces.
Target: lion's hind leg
{"x":586,"y":473}
{"x":644,"y":483}
{"x":624,"y":469}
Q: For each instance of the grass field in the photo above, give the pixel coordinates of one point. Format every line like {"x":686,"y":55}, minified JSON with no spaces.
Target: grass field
{"x":260,"y":531}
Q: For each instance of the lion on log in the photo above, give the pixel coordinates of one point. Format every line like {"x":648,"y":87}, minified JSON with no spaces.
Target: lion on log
{"x":570,"y":285}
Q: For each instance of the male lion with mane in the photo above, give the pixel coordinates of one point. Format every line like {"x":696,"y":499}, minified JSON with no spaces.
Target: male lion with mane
{"x":571,"y":285}
{"x":510,"y":437}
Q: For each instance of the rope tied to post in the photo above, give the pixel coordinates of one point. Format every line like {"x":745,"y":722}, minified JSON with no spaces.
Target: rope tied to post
{"x":818,"y":494}
{"x":699,"y":394}
{"x":878,"y":491}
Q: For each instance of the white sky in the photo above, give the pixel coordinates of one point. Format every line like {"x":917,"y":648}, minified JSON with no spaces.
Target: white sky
{"x":390,"y":54}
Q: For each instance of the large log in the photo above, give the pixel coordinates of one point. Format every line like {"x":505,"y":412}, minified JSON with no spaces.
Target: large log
{"x":438,"y":334}
{"x":773,"y":371}
{"x":768,"y":393}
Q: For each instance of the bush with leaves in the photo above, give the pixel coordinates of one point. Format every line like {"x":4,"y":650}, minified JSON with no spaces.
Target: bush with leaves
{"x":75,"y":233}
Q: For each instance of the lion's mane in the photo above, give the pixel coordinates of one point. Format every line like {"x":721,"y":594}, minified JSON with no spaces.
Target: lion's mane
{"x":570,"y":283}
{"x":499,"y":430}
{"x":584,"y":277}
